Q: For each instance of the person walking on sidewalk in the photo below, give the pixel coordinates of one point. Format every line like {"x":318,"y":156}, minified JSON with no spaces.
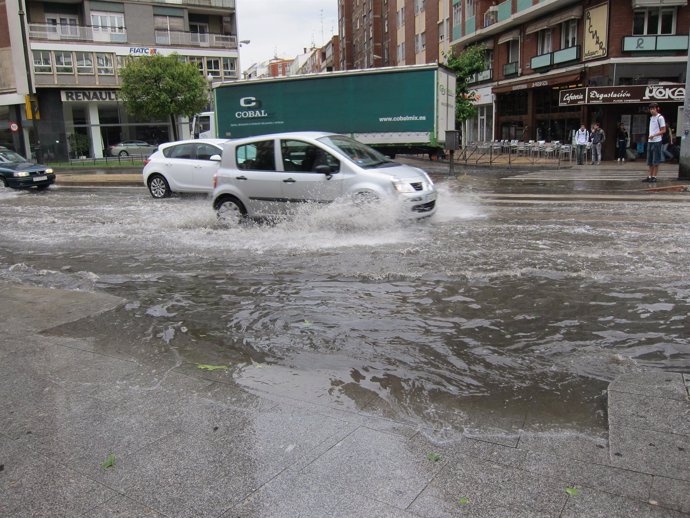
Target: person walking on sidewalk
{"x":581,"y":140}
{"x":598,"y":138}
{"x":621,"y":143}
{"x":657,"y":128}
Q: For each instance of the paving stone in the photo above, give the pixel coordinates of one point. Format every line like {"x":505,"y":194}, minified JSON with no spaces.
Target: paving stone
{"x":353,"y":505}
{"x":587,"y":448}
{"x":652,"y":384}
{"x":597,"y":504}
{"x":651,"y":413}
{"x":32,"y":485}
{"x":122,"y":507}
{"x":498,"y":454}
{"x":380,"y":466}
{"x":671,"y":493}
{"x":651,"y":452}
{"x":571,"y":472}
{"x":490,"y":485}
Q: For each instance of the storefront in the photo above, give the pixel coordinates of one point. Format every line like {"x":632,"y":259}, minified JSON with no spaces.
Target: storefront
{"x":531,"y":110}
{"x":610,"y":105}
{"x":480,"y":128}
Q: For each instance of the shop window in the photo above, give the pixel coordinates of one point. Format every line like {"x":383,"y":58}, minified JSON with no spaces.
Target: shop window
{"x":63,"y":62}
{"x":569,"y":34}
{"x":213,"y":67}
{"x":84,"y":63}
{"x":544,"y":42}
{"x":512,"y":104}
{"x":655,"y":20}
{"x":42,"y":62}
{"x":104,"y":64}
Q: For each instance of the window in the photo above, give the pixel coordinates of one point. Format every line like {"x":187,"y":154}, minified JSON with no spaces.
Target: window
{"x":457,"y":15}
{"x":418,"y":6}
{"x":108,"y":22}
{"x":168,"y":23}
{"x":84,"y":63}
{"x":420,"y":42}
{"x":206,"y":151}
{"x":569,"y":34}
{"x":401,"y":52}
{"x":104,"y":64}
{"x":401,"y":17}
{"x":488,"y":59}
{"x":229,"y":66}
{"x":544,"y":42}
{"x":213,"y":66}
{"x":258,"y":156}
{"x":63,"y":62}
{"x":514,"y":51}
{"x":42,"y":62}
{"x":198,"y":61}
{"x":183,"y":151}
{"x":63,"y":24}
{"x":655,"y":20}
{"x":469,"y":8}
{"x":199,"y":32}
{"x":305,"y":157}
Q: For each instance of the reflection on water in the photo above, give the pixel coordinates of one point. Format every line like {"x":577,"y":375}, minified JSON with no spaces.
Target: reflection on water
{"x":503,"y":316}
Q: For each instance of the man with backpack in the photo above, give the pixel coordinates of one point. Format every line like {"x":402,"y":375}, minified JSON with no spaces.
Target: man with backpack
{"x":581,"y":140}
{"x":598,"y":138}
{"x":657,"y":128}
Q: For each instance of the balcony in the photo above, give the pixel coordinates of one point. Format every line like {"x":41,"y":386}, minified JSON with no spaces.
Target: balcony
{"x":566,"y":55}
{"x":491,"y":16}
{"x":505,"y":10}
{"x":195,"y":39}
{"x":47,"y":31}
{"x":510,"y":69}
{"x":644,"y":43}
{"x":221,"y":4}
{"x":470,"y":25}
{"x":523,"y":4}
{"x":479,"y":77}
{"x":542,"y":61}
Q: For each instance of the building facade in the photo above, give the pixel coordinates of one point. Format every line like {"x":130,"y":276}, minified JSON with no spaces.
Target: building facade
{"x":60,"y":66}
{"x":555,"y":64}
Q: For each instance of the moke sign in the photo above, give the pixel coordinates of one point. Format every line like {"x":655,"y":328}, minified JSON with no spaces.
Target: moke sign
{"x":622,"y":94}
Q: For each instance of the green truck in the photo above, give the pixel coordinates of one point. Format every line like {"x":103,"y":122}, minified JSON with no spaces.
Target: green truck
{"x":395,"y":110}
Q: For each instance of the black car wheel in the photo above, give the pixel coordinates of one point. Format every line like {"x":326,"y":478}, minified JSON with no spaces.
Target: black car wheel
{"x":42,"y":187}
{"x":158,"y":187}
{"x":123,"y":153}
{"x":230,"y":211}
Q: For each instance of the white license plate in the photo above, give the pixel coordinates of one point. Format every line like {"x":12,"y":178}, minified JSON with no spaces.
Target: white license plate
{"x":40,"y":178}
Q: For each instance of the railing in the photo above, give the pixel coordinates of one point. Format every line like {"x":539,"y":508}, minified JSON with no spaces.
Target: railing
{"x":505,"y":10}
{"x":484,"y":75}
{"x":470,"y":25}
{"x":195,"y":39}
{"x":541,"y":61}
{"x":644,"y":43}
{"x":48,"y":31}
{"x":566,"y":55}
{"x":510,"y":69}
{"x":523,"y":4}
{"x":512,"y":152}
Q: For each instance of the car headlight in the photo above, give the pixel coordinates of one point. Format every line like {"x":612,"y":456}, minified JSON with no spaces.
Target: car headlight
{"x":401,"y":186}
{"x":21,"y":174}
{"x":49,"y":171}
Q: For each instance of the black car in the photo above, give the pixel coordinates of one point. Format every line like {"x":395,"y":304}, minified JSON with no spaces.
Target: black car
{"x":17,"y":172}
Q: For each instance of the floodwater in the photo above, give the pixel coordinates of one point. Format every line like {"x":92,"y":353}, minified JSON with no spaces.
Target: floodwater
{"x":489,"y":315}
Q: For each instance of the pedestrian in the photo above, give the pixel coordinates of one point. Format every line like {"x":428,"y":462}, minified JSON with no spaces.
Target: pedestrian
{"x":666,"y":140}
{"x":621,"y":142}
{"x":657,"y":128}
{"x":598,"y":137}
{"x":581,"y":140}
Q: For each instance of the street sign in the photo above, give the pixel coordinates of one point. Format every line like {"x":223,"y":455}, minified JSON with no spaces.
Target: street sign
{"x":14,"y":127}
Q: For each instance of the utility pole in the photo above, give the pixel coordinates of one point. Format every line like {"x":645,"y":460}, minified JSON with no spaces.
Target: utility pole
{"x":684,"y":131}
{"x":35,"y":143}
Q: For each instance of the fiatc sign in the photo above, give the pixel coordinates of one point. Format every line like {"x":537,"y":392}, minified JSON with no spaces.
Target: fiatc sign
{"x":622,"y":94}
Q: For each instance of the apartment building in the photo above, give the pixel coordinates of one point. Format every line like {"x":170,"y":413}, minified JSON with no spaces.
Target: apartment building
{"x":60,"y":64}
{"x":379,"y":33}
{"x":554,"y":64}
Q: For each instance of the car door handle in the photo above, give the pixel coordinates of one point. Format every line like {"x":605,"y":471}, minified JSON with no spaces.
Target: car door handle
{"x":289,"y":180}
{"x":240,"y":177}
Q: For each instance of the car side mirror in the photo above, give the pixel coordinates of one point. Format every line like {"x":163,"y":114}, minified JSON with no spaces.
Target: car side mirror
{"x":324,"y":169}
{"x":215,"y":158}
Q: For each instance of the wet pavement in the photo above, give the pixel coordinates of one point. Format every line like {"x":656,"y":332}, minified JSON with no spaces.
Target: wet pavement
{"x":346,"y":349}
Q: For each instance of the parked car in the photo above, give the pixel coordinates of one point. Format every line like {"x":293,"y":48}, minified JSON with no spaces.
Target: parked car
{"x":183,"y":166}
{"x":271,"y":174}
{"x":17,"y":172}
{"x":131,"y":147}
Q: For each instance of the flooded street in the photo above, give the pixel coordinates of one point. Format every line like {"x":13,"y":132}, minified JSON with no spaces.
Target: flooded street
{"x":492,"y":314}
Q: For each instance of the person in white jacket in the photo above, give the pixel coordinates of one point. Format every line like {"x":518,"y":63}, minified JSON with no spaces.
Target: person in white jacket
{"x":581,"y":140}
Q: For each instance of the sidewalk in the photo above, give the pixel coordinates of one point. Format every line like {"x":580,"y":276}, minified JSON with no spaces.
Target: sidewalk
{"x":190,"y":442}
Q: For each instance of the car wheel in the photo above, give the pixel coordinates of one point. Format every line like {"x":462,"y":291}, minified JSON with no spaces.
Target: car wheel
{"x":3,"y":182}
{"x":123,"y":153}
{"x":42,"y":187}
{"x":158,"y":186}
{"x":230,"y":211}
{"x":365,"y":198}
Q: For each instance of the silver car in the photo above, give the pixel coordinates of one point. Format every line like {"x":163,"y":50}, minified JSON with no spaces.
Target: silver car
{"x":132,"y":148}
{"x":271,"y":174}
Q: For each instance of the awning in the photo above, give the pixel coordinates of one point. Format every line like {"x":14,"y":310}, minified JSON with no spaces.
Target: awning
{"x":540,"y":82}
{"x":509,"y":36}
{"x":558,"y":18}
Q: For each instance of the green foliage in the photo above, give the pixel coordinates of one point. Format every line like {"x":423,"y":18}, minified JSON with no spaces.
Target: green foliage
{"x":109,"y":462}
{"x":433,"y":457}
{"x":78,"y":144}
{"x":470,"y":61}
{"x":464,"y":500}
{"x":572,"y":491}
{"x":158,"y":87}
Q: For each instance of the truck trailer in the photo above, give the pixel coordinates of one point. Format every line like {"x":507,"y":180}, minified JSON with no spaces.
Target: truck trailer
{"x":404,"y":109}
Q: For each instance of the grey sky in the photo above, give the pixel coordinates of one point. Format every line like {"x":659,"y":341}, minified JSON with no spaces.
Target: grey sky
{"x":284,"y":27}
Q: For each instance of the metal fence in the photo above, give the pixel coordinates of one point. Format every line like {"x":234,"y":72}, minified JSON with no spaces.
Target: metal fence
{"x":514,"y":153}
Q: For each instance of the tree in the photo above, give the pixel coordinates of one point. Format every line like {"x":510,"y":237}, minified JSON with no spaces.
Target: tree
{"x":470,"y":61}
{"x":163,"y":87}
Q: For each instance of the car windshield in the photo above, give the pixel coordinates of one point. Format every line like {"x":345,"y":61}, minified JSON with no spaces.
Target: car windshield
{"x":359,"y":153}
{"x":7,"y":157}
